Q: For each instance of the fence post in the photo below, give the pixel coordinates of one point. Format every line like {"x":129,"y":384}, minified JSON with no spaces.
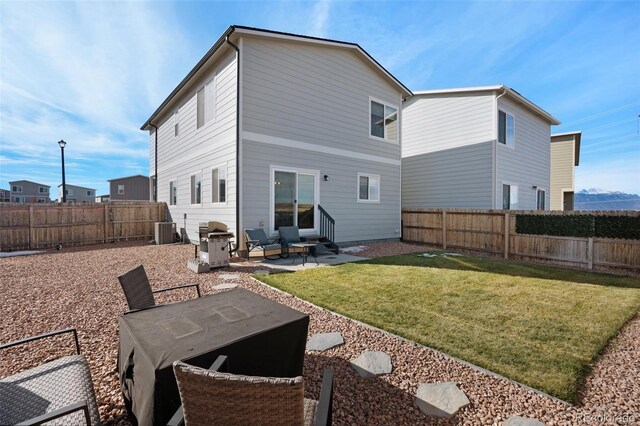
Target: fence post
{"x":590,"y":253}
{"x":106,"y":217}
{"x":30,"y":227}
{"x":444,"y":229}
{"x":506,"y":234}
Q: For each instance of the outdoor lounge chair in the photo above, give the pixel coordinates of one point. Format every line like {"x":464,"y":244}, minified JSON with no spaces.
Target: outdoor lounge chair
{"x":137,"y":289}
{"x":213,"y":397}
{"x":59,"y":392}
{"x":257,"y":240}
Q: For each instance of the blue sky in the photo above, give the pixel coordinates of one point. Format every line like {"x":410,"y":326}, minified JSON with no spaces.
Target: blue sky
{"x":92,"y":72}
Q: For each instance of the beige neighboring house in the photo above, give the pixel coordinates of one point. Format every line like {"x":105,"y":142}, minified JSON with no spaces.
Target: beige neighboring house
{"x":131,"y":188}
{"x":565,"y":155}
{"x":78,"y":194}
{"x":26,"y":191}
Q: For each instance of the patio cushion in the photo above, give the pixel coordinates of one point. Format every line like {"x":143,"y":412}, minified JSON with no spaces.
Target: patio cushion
{"x":290,"y":234}
{"x":46,"y":388}
{"x":257,"y":234}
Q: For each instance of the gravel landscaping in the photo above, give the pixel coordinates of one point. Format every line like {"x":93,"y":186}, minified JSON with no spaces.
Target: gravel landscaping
{"x":79,"y":287}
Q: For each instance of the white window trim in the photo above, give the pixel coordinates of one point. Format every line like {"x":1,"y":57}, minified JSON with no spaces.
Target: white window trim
{"x":176,"y":122}
{"x":369,"y":201}
{"x":515,"y":124}
{"x":201,"y":173}
{"x":210,"y":171}
{"x":89,"y":192}
{"x":511,"y":184}
{"x":316,"y":201}
{"x":546,"y":197}
{"x":214,"y":119}
{"x":176,"y":182}
{"x":123,"y":189}
{"x":18,"y":188}
{"x":42,"y":190}
{"x":386,"y":104}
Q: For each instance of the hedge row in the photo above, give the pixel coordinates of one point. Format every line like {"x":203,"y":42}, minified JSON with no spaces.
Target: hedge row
{"x":585,"y":226}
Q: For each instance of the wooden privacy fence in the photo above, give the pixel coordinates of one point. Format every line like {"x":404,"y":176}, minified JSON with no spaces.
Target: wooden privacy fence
{"x":494,"y":231}
{"x":32,"y":226}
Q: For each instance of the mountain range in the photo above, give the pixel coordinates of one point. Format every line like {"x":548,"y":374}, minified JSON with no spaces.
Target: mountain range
{"x":600,"y":199}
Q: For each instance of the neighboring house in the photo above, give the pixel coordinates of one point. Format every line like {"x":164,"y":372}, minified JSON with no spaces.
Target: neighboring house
{"x":5,"y":195}
{"x":478,"y":147}
{"x":26,"y":191}
{"x":78,"y":194}
{"x":278,"y":132}
{"x":565,"y":155}
{"x":102,"y":198}
{"x":129,"y":188}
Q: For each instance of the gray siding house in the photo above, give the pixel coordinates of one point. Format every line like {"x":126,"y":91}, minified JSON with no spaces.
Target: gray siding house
{"x":132,"y":188}
{"x":26,"y":191}
{"x":78,"y":194}
{"x":272,"y":129}
{"x":478,"y":147}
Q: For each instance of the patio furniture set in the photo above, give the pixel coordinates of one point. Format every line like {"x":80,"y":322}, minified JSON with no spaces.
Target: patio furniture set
{"x":287,"y":243}
{"x":228,"y":358}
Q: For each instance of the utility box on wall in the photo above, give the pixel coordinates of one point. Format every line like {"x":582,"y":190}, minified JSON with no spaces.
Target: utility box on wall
{"x":165,"y":232}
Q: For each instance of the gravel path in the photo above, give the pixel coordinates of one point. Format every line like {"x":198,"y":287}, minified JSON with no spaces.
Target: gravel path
{"x":79,"y":287}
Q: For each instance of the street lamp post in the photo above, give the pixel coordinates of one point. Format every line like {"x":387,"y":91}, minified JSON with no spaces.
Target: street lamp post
{"x":64,"y":185}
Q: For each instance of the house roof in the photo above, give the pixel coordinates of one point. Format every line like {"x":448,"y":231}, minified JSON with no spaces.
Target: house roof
{"x":76,"y":186}
{"x":128,"y":177}
{"x":29,"y":181}
{"x":238,"y":29}
{"x":513,"y":94}
{"x":577,"y":136}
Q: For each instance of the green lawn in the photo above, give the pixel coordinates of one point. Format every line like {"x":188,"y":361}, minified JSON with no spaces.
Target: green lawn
{"x":539,"y":325}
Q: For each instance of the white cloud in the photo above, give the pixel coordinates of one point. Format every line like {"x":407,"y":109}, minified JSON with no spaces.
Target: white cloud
{"x":319,"y":18}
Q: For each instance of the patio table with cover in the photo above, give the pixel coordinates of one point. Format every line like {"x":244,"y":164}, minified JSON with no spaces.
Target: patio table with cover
{"x":261,"y":337}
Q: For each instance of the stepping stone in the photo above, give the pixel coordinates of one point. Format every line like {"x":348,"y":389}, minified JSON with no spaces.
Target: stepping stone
{"x":371,"y":363}
{"x":323,"y":341}
{"x":440,"y":399}
{"x":522,"y":421}
{"x":229,"y":276}
{"x":261,"y":271}
{"x":225,"y":286}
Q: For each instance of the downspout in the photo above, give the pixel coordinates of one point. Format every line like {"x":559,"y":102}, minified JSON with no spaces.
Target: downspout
{"x":155,"y":154}
{"x":238,"y":189}
{"x":494,"y":193}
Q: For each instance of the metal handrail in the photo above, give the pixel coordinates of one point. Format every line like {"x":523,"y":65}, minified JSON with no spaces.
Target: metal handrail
{"x":327,"y":224}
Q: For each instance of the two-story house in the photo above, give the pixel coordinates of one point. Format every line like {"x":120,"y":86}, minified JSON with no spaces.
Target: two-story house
{"x":478,"y":147}
{"x":26,"y":191}
{"x":132,"y":188}
{"x":78,"y":194}
{"x":5,"y":195}
{"x":565,"y":156}
{"x":272,"y":129}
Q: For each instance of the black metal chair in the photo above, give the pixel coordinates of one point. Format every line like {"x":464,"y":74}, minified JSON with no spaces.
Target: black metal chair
{"x":59,"y":392}
{"x":257,"y":240}
{"x":137,"y":289}
{"x":215,"y":397}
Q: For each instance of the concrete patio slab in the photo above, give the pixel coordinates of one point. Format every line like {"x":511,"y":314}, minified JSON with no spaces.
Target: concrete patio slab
{"x":294,"y":262}
{"x":324,"y":341}
{"x":440,"y":399}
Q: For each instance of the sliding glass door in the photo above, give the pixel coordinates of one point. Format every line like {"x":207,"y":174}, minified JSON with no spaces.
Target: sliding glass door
{"x":295,"y":199}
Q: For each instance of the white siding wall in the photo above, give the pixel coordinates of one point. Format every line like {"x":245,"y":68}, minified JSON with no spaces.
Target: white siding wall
{"x":318,"y":96}
{"x":528,"y":163}
{"x":199,"y":150}
{"x":452,"y":178}
{"x":442,"y":122}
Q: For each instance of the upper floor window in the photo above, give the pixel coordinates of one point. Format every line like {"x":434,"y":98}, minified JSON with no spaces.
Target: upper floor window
{"x":506,"y":129}
{"x":68,"y":192}
{"x":206,"y":103}
{"x":509,"y":197}
{"x":196,"y":189}
{"x":89,"y":193}
{"x":368,"y":188}
{"x":120,"y":189}
{"x":42,"y":190}
{"x":219,"y":185}
{"x":16,"y":188}
{"x":173,"y":192}
{"x":176,"y":125}
{"x":384,"y":121}
{"x":541,"y":195}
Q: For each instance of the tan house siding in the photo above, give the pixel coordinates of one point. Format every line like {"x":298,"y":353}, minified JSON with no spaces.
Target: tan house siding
{"x":562,"y":169}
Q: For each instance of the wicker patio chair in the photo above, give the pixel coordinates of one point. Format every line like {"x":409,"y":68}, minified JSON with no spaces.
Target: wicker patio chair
{"x":212,"y":397}
{"x":137,"y":289}
{"x":257,"y":240}
{"x":59,"y":392}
